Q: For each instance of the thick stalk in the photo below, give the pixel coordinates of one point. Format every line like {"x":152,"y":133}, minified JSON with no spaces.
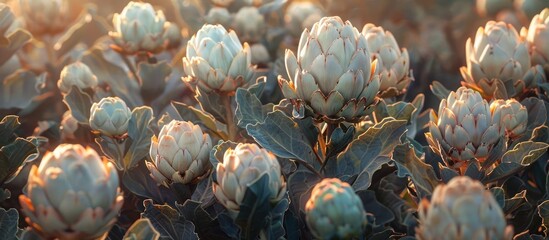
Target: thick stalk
{"x":229,"y":115}
{"x":131,"y":67}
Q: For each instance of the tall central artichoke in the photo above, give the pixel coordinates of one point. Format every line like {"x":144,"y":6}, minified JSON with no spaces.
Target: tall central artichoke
{"x":332,"y":73}
{"x":464,"y":128}
{"x":217,"y":61}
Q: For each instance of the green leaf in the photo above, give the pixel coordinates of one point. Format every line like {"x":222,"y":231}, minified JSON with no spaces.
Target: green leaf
{"x":409,"y":164}
{"x":199,"y":117}
{"x":13,"y":156}
{"x":383,"y":215}
{"x":8,"y":125}
{"x":16,"y":40}
{"x":282,"y":136}
{"x":113,"y":149}
{"x":364,"y":178}
{"x":207,"y":227}
{"x":525,"y":153}
{"x":167,"y":222}
{"x":378,"y":140}
{"x":20,"y":89}
{"x":8,"y":224}
{"x":153,"y":78}
{"x":88,"y":28}
{"x":142,"y":229}
{"x":140,"y":133}
{"x":543,"y":211}
{"x":499,"y":195}
{"x":249,"y":110}
{"x":217,"y":152}
{"x":113,"y":75}
{"x":212,"y":104}
{"x":79,"y":104}
{"x":401,"y":111}
{"x":439,"y":90}
{"x":255,"y":208}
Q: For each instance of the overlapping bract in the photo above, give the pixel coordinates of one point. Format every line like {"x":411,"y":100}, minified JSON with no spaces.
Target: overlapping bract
{"x":49,"y":17}
{"x":393,"y":64}
{"x":76,"y":74}
{"x":110,"y":116}
{"x":180,"y":153}
{"x":464,"y":128}
{"x":241,"y":167}
{"x":461,"y":210}
{"x":139,"y":28}
{"x":73,"y":194}
{"x":217,"y":61}
{"x":538,"y":38}
{"x":334,"y":211}
{"x":332,"y":73}
{"x":511,"y":116}
{"x":497,"y":62}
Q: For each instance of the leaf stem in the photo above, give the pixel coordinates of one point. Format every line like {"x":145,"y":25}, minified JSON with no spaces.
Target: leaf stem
{"x":131,"y":67}
{"x":231,"y":127}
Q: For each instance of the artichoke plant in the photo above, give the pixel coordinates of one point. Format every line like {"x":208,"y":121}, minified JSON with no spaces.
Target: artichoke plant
{"x":332,"y":74}
{"x":110,"y":116}
{"x":76,"y":74}
{"x":73,"y":194}
{"x":180,"y":153}
{"x":393,"y":64}
{"x":462,"y":209}
{"x":334,"y":211}
{"x":497,"y":61}
{"x":302,"y":15}
{"x":138,"y":28}
{"x":538,"y":38}
{"x":242,"y":166}
{"x":217,"y":61}
{"x":49,"y":17}
{"x":511,"y":115}
{"x":249,"y":24}
{"x":464,"y":128}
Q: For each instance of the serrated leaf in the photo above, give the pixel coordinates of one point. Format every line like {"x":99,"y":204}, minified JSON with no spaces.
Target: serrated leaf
{"x":207,"y":227}
{"x":409,"y":164}
{"x":8,"y":224}
{"x":16,"y":40}
{"x":20,"y":89}
{"x":153,"y":78}
{"x":525,"y":153}
{"x":439,"y":90}
{"x":254,"y":208}
{"x":13,"y":156}
{"x":212,"y":104}
{"x":142,"y":229}
{"x":401,"y":110}
{"x":249,"y":110}
{"x":382,"y":214}
{"x":8,"y":125}
{"x":543,"y":211}
{"x":499,"y":195}
{"x":378,"y":140}
{"x":88,"y":28}
{"x":79,"y":104}
{"x":140,"y":133}
{"x":167,"y":222}
{"x":117,"y":78}
{"x":282,"y":136}
{"x":300,"y":185}
{"x":364,"y":178}
{"x":199,"y":117}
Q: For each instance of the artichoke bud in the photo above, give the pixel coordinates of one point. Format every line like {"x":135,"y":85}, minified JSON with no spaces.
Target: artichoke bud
{"x":537,"y":37}
{"x":250,"y":24}
{"x":179,"y":154}
{"x":217,"y":61}
{"x":219,"y":15}
{"x":511,"y":115}
{"x":73,"y":194}
{"x":49,"y":17}
{"x":241,"y":167}
{"x":497,"y":60}
{"x":139,"y":28}
{"x":462,"y":209}
{"x":334,"y":211}
{"x":332,"y":72}
{"x":110,"y":117}
{"x":173,"y":36}
{"x":76,"y":74}
{"x":394,"y":64}
{"x":464,"y":128}
{"x":302,"y":15}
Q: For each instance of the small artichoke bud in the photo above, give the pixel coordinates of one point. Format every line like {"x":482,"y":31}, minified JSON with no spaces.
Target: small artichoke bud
{"x":6,"y":18}
{"x":73,"y":194}
{"x":242,"y":166}
{"x":173,"y":36}
{"x":259,"y":54}
{"x":462,"y":209}
{"x":497,"y":54}
{"x":76,"y":74}
{"x":302,"y":15}
{"x":511,"y":115}
{"x":139,"y":28}
{"x":219,"y":15}
{"x":538,"y":38}
{"x":217,"y":61}
{"x":464,"y":128}
{"x":393,"y":64}
{"x":529,"y":8}
{"x":332,"y":73}
{"x":180,"y":153}
{"x":334,"y":211}
{"x":110,"y":116}
{"x":493,"y":7}
{"x":49,"y":16}
{"x":249,"y":24}
{"x":69,"y":125}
